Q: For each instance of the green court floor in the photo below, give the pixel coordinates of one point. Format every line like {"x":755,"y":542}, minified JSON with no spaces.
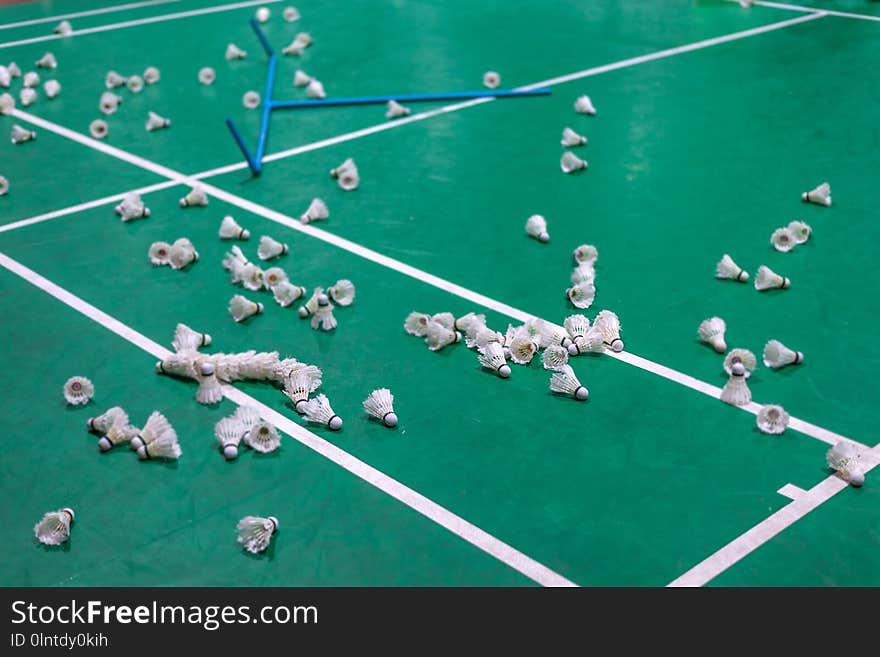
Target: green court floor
{"x":691,"y":155}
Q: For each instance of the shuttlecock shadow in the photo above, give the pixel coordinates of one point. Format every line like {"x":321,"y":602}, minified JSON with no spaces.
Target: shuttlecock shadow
{"x":266,"y":555}
{"x":63,"y":547}
{"x":378,"y":422}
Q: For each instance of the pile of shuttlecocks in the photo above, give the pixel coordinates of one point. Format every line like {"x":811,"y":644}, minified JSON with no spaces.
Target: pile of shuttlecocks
{"x":245,"y":426}
{"x":156,"y":440}
{"x":176,"y":255}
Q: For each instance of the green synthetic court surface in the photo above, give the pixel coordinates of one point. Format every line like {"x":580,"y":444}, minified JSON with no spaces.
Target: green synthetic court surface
{"x":692,"y":154}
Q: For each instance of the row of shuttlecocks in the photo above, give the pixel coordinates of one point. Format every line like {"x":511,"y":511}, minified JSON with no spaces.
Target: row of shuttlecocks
{"x":570,"y":162}
{"x":582,"y":291}
{"x":156,"y":440}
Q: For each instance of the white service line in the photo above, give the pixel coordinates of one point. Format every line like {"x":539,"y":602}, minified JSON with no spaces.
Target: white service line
{"x":829,"y":12}
{"x":139,"y":21}
{"x":791,"y":491}
{"x":85,"y":206}
{"x":401,"y":267}
{"x":711,"y":567}
{"x":90,"y":12}
{"x":456,"y":524}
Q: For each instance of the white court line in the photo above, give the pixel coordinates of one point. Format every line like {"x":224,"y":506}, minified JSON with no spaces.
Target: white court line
{"x":139,"y":21}
{"x":758,"y":535}
{"x":642,"y":363}
{"x":456,"y":524}
{"x":829,"y":12}
{"x":90,"y":12}
{"x":791,"y":491}
{"x":597,"y":70}
{"x":84,"y":206}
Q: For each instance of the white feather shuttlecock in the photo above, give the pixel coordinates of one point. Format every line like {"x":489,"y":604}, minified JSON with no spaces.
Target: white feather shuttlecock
{"x":395,"y":110}
{"x":158,"y":439}
{"x":248,"y":416}
{"x":315,"y":89}
{"x":47,"y":61}
{"x":101,"y":423}
{"x":783,"y":240}
{"x":380,"y":405}
{"x":821,"y":195}
{"x":296,"y":47}
{"x":772,"y":419}
{"x":711,"y":331}
{"x":156,"y":122}
{"x":319,"y":411}
{"x":210,"y":391}
{"x":576,"y":325}
{"x":349,"y":179}
{"x":19,"y":135}
{"x":585,"y":254}
{"x":31,"y":79}
{"x":342,"y":292}
{"x":317,"y":211}
{"x":109,"y":102}
{"x":740,"y":361}
{"x":195,"y":196}
{"x":113,"y":80}
{"x":258,"y":366}
{"x":255,"y":533}
{"x":270,"y":248}
{"x":182,"y":253}
{"x":178,"y":364}
{"x":291,"y":14}
{"x":582,"y":294}
{"x":230,"y":230}
{"x":555,"y":356}
{"x":54,"y":527}
{"x":323,"y":318}
{"x":251,"y":277}
{"x":522,"y":349}
{"x":551,"y":334}
{"x":311,"y":306}
{"x":262,"y":14}
{"x":416,"y":324}
{"x":187,"y":339}
{"x":777,"y":355}
{"x":301,"y":79}
{"x":767,"y":279}
{"x":241,"y":308}
{"x":234,"y":52}
{"x":298,"y":388}
{"x":583,"y":105}
{"x":207,"y":75}
{"x":800,"y":230}
{"x":27,"y":96}
{"x":78,"y":390}
{"x":571,"y":139}
{"x":273,"y":276}
{"x":608,"y":324}
{"x":845,"y":459}
{"x":7,"y":104}
{"x":736,"y":391}
{"x":51,"y":88}
{"x":565,"y":382}
{"x":251,"y":100}
{"x":438,"y":336}
{"x":64,"y":28}
{"x":469,"y":320}
{"x":263,"y":437}
{"x":536,"y":226}
{"x":229,"y":431}
{"x":569,"y":163}
{"x":5,"y":77}
{"x":118,"y":433}
{"x":348,"y":163}
{"x":447,"y":319}
{"x":491,"y":79}
{"x":726,"y":268}
{"x":14,"y":70}
{"x":98,"y":128}
{"x":132,"y":207}
{"x":4,"y":186}
{"x":286,"y":293}
{"x":491,"y":356}
{"x":151,"y":75}
{"x":135,"y":84}
{"x":592,"y":342}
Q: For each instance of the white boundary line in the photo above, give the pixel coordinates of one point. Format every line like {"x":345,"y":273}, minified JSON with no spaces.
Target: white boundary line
{"x":811,"y":10}
{"x":416,"y":501}
{"x":642,"y":363}
{"x":90,"y":12}
{"x":758,"y":535}
{"x":791,"y":491}
{"x":139,"y":21}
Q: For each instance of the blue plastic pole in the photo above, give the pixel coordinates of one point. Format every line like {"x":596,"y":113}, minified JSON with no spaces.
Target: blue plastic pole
{"x":254,"y":166}
{"x":406,"y":98}
{"x":262,"y":37}
{"x":267,"y":107}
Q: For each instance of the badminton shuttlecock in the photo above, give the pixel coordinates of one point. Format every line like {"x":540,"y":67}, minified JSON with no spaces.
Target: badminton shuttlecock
{"x":581,"y":295}
{"x":315,"y":89}
{"x":342,"y":292}
{"x":31,"y":79}
{"x":571,"y":162}
{"x":120,"y":432}
{"x":273,"y":276}
{"x":583,"y":105}
{"x":5,"y":77}
{"x":251,"y":99}
{"x":251,"y":277}
{"x":767,"y":279}
{"x":7,"y":104}
{"x":255,"y":533}
{"x":298,"y":387}
{"x":14,"y":70}
{"x":101,"y":423}
{"x":159,"y":253}
{"x":536,"y":226}
{"x":262,"y":14}
{"x":195,"y":196}
{"x":151,"y":75}
{"x":468,"y":321}
{"x":555,"y":357}
{"x":54,"y":527}
{"x":591,"y":342}
{"x":438,"y":336}
{"x":491,"y":357}
{"x":186,"y":339}
{"x":844,"y":458}
{"x":156,"y":122}
{"x":736,"y":391}
{"x":248,"y":416}
{"x":157,"y":440}
{"x":800,"y":230}
{"x":291,"y":14}
{"x":576,"y":325}
{"x":570,"y":138}
{"x":230,"y":230}
{"x":522,"y":349}
{"x":583,"y":273}
{"x":395,"y":110}
{"x":181,"y":365}
{"x":27,"y":96}
{"x":132,"y":207}
{"x":821,"y":195}
{"x":608,"y":324}
{"x":64,"y":28}
{"x":78,"y":390}
{"x":301,"y":79}
{"x":349,"y":179}
{"x":311,"y":306}
{"x":109,"y":102}
{"x":491,"y":79}
{"x":380,"y":405}
{"x":317,"y":211}
{"x":347,"y":165}
{"x":728,"y":269}
{"x":777,"y":355}
{"x":51,"y":88}
{"x":182,"y":253}
{"x":262,"y":437}
{"x":4,"y":186}
{"x":228,"y":432}
{"x":772,"y":419}
{"x":740,"y":361}
{"x":711,"y":331}
{"x":210,"y":390}
{"x":566,"y":382}
{"x":234,"y":52}
{"x":47,"y":61}
{"x":286,"y":293}
{"x":319,"y":411}
{"x":550,"y":334}
{"x":207,"y":75}
{"x":416,"y":324}
{"x":241,"y":308}
{"x":783,"y":240}
{"x":113,"y":80}
{"x":270,"y":248}
{"x":323,"y":318}
{"x":296,"y":47}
